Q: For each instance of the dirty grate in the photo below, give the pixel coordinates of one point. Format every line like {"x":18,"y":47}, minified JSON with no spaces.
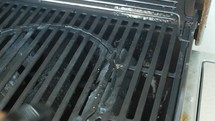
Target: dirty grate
{"x":88,"y":66}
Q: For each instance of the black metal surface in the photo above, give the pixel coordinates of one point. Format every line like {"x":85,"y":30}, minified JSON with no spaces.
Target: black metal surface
{"x":89,"y":65}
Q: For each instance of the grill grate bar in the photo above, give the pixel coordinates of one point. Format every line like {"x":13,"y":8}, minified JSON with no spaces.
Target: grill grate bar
{"x":74,"y":19}
{"x":175,"y":87}
{"x":25,"y":72}
{"x":12,"y":40}
{"x":2,"y":39}
{"x":122,"y":42}
{"x":125,"y":34}
{"x":84,"y":21}
{"x":157,"y":72}
{"x":129,"y":57}
{"x":28,"y":20}
{"x":2,"y":15}
{"x":135,"y":76}
{"x":7,"y":20}
{"x":1,"y":6}
{"x":9,"y":55}
{"x":50,"y":77}
{"x":72,"y":88}
{"x":20,"y":17}
{"x":53,"y":16}
{"x":102,"y":84}
{"x":22,"y":10}
{"x":66,"y":73}
{"x":86,"y":90}
{"x":146,"y":87}
{"x":52,"y":95}
{"x":94,"y":24}
{"x":66,"y":15}
{"x":104,"y":28}
{"x":74,"y":84}
{"x":163,"y":78}
{"x":18,"y":63}
{"x":15,"y":67}
{"x":5,"y":80}
{"x":113,"y":33}
{"x":15,"y":64}
{"x":41,"y":18}
{"x":37,"y":74}
{"x":80,"y":19}
{"x":63,"y":18}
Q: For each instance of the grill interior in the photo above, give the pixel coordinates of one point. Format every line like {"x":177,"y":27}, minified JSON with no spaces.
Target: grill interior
{"x":89,"y":65}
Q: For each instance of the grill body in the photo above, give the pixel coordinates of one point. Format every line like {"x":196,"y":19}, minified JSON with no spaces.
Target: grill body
{"x":92,"y":63}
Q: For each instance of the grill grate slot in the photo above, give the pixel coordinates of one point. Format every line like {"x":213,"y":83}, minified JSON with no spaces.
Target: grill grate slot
{"x":146,"y":87}
{"x":59,"y":16}
{"x":4,"y":41}
{"x":69,"y":18}
{"x":40,"y":16}
{"x":119,"y":35}
{"x":49,"y":15}
{"x":21,"y":76}
{"x":44,"y":57}
{"x":3,"y":6}
{"x":7,"y":56}
{"x":24,"y":16}
{"x":41,"y":79}
{"x":32,"y":17}
{"x":140,"y":44}
{"x":163,"y":52}
{"x":7,"y":23}
{"x":99,"y":25}
{"x":150,"y":99}
{"x":176,"y":56}
{"x":89,"y":22}
{"x":79,"y":20}
{"x":135,"y":97}
{"x":81,"y":86}
{"x":69,"y":78}
{"x":9,"y":10}
{"x":108,"y":31}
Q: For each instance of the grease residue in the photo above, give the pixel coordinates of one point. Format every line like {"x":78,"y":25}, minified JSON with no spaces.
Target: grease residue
{"x":184,"y":117}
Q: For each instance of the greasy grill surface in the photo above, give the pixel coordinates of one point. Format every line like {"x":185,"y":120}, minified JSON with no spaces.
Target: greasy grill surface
{"x":88,"y":66}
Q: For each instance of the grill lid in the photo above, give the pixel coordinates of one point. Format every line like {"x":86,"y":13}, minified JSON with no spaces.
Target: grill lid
{"x":153,"y":10}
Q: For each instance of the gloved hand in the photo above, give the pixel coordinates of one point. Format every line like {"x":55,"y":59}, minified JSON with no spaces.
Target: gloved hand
{"x":2,"y":115}
{"x":28,"y":113}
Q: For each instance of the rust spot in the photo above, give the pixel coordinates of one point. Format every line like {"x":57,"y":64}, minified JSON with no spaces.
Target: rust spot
{"x":203,"y":20}
{"x":184,"y":117}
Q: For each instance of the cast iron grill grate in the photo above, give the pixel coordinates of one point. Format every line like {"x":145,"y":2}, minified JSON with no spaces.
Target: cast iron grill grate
{"x":88,"y":66}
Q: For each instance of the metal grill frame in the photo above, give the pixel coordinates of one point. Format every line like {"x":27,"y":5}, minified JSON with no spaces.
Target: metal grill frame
{"x":186,"y":40}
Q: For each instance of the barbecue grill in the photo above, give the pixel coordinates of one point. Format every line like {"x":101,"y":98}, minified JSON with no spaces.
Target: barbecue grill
{"x":94,"y":60}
